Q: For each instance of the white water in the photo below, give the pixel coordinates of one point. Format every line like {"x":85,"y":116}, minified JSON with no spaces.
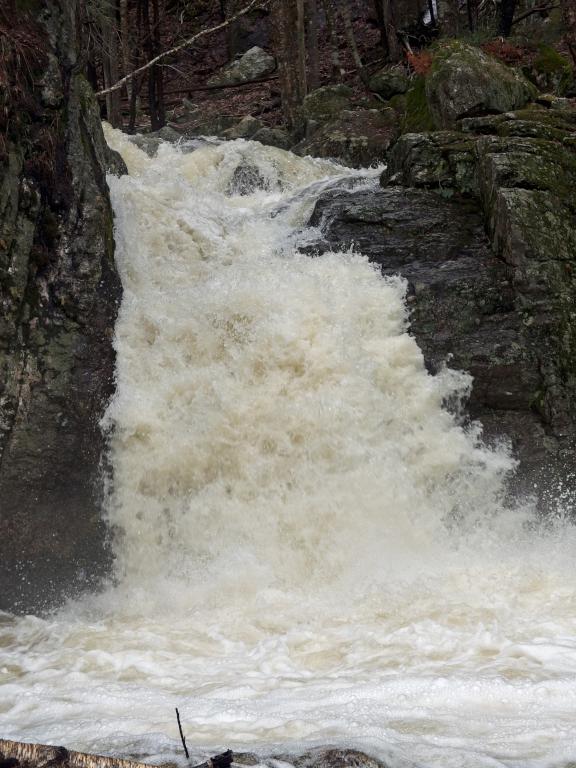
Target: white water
{"x":310,"y":549}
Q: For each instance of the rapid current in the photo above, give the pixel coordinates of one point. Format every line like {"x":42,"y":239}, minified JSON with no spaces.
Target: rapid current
{"x":310,"y":549}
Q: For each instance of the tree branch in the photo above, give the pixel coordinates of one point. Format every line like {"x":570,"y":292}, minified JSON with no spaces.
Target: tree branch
{"x":536,"y":9}
{"x":253,"y":4}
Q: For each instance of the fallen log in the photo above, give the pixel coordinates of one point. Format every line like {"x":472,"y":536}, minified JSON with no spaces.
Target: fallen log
{"x":18,"y":754}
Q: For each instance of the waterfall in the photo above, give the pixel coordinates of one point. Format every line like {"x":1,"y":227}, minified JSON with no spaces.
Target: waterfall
{"x":310,"y":548}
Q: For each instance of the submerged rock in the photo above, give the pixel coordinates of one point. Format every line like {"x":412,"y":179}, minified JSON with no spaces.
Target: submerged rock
{"x":246,"y":180}
{"x":327,"y":757}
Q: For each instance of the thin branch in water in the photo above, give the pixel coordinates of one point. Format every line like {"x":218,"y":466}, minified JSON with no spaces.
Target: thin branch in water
{"x":182,"y":735}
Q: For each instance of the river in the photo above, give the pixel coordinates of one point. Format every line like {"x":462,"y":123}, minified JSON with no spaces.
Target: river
{"x":310,"y":548}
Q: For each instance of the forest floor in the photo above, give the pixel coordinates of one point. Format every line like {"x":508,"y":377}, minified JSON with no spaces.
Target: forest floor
{"x":186,"y":77}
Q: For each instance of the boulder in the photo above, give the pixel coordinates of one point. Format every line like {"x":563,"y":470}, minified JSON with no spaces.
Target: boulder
{"x":246,"y":180}
{"x":211,"y":125}
{"x":356,"y":138}
{"x":551,"y":71}
{"x":444,"y":160}
{"x":244,"y":129}
{"x":273,"y":137}
{"x":389,"y":81}
{"x":255,"y":64}
{"x":149,"y":142}
{"x":464,"y":82}
{"x":327,"y":102}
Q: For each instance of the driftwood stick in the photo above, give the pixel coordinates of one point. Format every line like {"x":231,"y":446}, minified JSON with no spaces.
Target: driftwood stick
{"x":183,"y":739}
{"x":46,"y":756}
{"x":42,"y":754}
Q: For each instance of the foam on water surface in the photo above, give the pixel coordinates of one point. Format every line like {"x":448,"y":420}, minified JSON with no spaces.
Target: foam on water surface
{"x":310,"y":549}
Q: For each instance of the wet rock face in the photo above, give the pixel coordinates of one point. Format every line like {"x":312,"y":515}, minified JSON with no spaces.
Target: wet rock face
{"x":467,"y":307}
{"x":59,"y":294}
{"x":480,"y":221}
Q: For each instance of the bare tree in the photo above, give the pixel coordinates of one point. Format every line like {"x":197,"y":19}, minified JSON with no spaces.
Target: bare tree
{"x":393,"y":47}
{"x":507,"y":9}
{"x":449,"y":17}
{"x":569,"y":18}
{"x":337,"y":69}
{"x":312,"y":39}
{"x":284,"y":19}
{"x":301,"y":47}
{"x":351,"y":38}
{"x":181,"y":46}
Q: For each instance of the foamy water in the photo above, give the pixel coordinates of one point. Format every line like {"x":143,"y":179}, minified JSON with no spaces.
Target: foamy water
{"x":310,"y":549}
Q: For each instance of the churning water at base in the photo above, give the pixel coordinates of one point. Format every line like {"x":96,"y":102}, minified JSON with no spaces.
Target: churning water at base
{"x":310,"y":549}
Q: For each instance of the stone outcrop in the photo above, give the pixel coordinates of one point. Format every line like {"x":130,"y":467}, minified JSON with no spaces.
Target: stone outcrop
{"x":255,"y":64}
{"x":464,"y":81}
{"x":389,"y":81}
{"x":59,"y":294}
{"x":480,"y":222}
{"x":357,"y":138}
{"x":327,"y":102}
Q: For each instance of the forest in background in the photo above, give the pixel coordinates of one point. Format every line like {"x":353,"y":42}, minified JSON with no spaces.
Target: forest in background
{"x":315,"y":42}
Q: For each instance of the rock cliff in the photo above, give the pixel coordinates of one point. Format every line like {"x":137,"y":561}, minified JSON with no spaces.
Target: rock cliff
{"x":480,"y":222}
{"x":59,"y":294}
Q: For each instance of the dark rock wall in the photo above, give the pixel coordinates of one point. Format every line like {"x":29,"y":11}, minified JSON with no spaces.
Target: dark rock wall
{"x":59,"y":294}
{"x":482,"y":228}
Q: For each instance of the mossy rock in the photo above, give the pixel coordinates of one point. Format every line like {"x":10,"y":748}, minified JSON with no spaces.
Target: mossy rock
{"x":551,"y":71}
{"x":417,"y":114}
{"x":464,"y":82}
{"x":390,"y":81}
{"x":527,"y":163}
{"x":357,"y":138}
{"x":327,"y":102}
{"x":444,"y":161}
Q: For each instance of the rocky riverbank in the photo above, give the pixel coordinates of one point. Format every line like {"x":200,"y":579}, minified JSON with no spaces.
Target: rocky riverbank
{"x":59,"y":294}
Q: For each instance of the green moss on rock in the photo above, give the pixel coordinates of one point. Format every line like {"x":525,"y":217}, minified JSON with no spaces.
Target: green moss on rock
{"x":464,"y":81}
{"x":418,"y":116}
{"x":552,"y":71}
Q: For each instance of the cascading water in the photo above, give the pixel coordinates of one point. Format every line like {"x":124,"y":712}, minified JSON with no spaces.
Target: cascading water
{"x":310,"y":550}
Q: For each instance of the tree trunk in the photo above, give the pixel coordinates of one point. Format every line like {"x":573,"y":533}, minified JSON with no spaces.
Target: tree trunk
{"x":394,"y":48}
{"x":157,"y":69}
{"x":449,"y":17}
{"x":569,"y":18}
{"x":349,"y":29}
{"x":301,"y":46}
{"x":337,"y":70}
{"x":284,"y":20}
{"x":110,"y":65}
{"x":314,"y":77}
{"x":507,"y":9}
{"x":126,"y":45}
